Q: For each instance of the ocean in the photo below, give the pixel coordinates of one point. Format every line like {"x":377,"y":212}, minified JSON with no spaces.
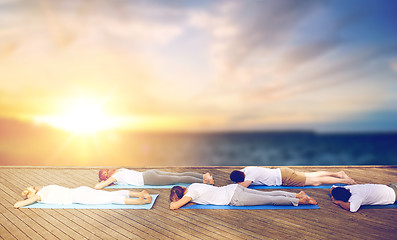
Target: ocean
{"x":265,"y":149}
{"x":22,"y":144}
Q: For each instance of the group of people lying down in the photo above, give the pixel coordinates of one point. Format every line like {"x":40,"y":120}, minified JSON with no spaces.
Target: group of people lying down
{"x":202,"y":191}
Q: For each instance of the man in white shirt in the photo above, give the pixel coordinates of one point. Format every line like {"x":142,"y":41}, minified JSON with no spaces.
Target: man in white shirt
{"x":351,"y":198}
{"x":287,"y":177}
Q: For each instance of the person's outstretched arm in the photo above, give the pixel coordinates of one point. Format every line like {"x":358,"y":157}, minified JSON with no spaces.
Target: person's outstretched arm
{"x":245,"y":183}
{"x":105,"y":183}
{"x":28,"y":201}
{"x":181,"y":202}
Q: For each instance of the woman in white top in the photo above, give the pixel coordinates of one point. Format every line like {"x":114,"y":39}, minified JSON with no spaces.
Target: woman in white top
{"x":54,"y":194}
{"x":149,"y":177}
{"x":234,"y":195}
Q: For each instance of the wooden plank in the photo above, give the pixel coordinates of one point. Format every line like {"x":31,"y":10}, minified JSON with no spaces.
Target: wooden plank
{"x":330,"y":221}
{"x":4,"y":233}
{"x":44,"y":219}
{"x":49,"y":214}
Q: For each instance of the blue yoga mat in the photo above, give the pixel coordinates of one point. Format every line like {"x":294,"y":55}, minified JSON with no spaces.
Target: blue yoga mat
{"x":378,"y":206}
{"x":270,"y":207}
{"x":291,"y":187}
{"x":119,"y":186}
{"x":93,"y":206}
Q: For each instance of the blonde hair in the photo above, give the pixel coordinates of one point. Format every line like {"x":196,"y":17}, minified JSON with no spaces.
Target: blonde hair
{"x":25,"y":193}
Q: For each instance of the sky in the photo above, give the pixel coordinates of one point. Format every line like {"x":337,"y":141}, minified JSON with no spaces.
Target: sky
{"x":329,"y":66}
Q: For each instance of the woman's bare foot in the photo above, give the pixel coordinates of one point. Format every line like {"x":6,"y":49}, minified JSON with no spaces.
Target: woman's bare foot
{"x":347,"y":178}
{"x":307,"y":201}
{"x":301,"y":194}
{"x":148,"y":199}
{"x":142,"y":200}
{"x":351,"y":181}
{"x":144,"y":194}
{"x":207,"y":179}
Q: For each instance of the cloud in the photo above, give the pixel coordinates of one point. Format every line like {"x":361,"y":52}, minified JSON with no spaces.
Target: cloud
{"x":393,"y":65}
{"x":239,"y":61}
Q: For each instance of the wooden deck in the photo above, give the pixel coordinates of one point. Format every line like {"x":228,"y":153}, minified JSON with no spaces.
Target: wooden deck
{"x":328,"y":222}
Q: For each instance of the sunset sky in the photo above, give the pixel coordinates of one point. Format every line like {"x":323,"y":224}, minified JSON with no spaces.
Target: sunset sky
{"x":200,"y":65}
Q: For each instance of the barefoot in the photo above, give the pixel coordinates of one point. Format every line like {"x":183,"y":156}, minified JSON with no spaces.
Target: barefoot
{"x":145,"y":194}
{"x":207,"y":179}
{"x":206,"y":175}
{"x":350,"y":181}
{"x":301,"y":194}
{"x":142,"y":201}
{"x":148,"y":199}
{"x":312,"y":201}
{"x":344,"y":176}
{"x":307,"y":201}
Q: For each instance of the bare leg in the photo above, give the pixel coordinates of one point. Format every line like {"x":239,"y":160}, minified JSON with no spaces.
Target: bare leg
{"x":137,"y":194}
{"x":137,"y":201}
{"x":323,"y":177}
{"x":141,"y":197}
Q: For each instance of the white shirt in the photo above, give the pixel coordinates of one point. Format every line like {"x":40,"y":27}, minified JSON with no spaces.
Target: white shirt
{"x":263,"y":176}
{"x":370,"y":194}
{"x":207,"y":194}
{"x":54,"y":194}
{"x":127,"y":176}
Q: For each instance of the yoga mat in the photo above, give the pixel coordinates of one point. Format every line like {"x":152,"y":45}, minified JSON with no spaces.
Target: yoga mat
{"x":200,"y":206}
{"x":291,"y":187}
{"x":118,"y":186}
{"x":378,"y":206}
{"x":93,"y":206}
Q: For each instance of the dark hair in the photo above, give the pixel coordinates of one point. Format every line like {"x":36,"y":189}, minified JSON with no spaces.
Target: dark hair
{"x":340,"y":193}
{"x":237,"y":176}
{"x":176,"y":193}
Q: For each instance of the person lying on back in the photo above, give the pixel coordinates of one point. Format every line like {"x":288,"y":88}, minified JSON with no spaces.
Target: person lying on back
{"x":287,"y":177}
{"x":351,"y":198}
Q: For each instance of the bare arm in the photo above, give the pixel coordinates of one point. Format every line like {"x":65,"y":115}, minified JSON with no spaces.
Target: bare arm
{"x":184,"y":200}
{"x":245,"y":183}
{"x":28,"y":201}
{"x":105,"y":183}
{"x":344,"y":205}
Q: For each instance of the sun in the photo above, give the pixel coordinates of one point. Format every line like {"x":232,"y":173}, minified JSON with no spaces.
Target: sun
{"x":81,"y":116}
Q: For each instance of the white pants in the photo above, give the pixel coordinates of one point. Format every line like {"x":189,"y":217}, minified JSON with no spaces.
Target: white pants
{"x":87,"y":195}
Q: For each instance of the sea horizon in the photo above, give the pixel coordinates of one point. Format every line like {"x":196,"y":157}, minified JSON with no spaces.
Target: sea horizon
{"x":23,"y":145}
